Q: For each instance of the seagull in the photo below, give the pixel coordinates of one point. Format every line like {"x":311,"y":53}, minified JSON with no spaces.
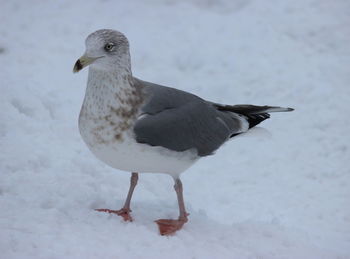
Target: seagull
{"x":141,"y":127}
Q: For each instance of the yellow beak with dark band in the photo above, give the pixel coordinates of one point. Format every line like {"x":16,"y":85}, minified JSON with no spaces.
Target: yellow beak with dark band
{"x":83,"y":62}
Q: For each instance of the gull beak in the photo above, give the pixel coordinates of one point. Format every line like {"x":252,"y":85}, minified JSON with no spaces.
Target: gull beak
{"x":82,"y":62}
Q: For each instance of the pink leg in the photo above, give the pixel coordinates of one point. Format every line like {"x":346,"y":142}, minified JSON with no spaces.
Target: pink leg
{"x":125,"y":211}
{"x":170,"y":226}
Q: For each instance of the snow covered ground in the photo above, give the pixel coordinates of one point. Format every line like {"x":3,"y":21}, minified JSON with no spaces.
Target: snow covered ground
{"x":281,"y":193}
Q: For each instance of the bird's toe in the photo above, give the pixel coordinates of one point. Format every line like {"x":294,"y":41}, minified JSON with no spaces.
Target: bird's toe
{"x":169,"y":226}
{"x":124,"y":213}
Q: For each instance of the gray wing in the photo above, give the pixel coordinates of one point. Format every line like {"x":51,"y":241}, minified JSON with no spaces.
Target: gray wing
{"x":180,"y":121}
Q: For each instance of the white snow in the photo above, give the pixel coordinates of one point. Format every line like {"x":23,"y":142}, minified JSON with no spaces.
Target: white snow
{"x":281,"y":194}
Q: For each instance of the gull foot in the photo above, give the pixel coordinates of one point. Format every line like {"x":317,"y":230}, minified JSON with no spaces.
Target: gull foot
{"x":170,"y":226}
{"x":125,"y":213}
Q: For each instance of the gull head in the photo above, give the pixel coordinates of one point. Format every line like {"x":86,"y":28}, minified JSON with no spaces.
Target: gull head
{"x":105,"y":50}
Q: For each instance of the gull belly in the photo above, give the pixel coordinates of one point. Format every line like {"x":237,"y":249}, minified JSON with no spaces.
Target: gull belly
{"x":126,"y":154}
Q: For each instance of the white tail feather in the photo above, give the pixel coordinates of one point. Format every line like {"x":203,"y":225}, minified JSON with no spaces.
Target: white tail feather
{"x":278,"y":109}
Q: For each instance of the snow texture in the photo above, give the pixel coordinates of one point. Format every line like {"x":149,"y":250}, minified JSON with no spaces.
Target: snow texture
{"x":282,"y":192}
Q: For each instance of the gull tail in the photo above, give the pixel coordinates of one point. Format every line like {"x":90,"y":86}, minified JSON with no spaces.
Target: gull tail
{"x":252,"y":113}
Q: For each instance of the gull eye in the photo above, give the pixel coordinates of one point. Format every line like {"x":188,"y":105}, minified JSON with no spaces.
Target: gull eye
{"x":109,"y":46}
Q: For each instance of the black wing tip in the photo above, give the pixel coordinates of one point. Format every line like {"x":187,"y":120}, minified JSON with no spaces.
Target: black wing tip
{"x":255,"y":119}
